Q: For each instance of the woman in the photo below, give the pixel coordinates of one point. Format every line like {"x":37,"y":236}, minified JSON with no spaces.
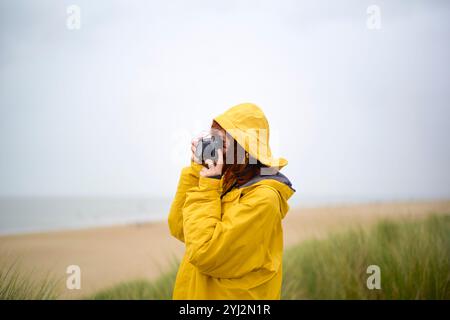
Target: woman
{"x":229,"y":214}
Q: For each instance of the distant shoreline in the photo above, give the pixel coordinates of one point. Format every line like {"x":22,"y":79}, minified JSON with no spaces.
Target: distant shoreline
{"x":37,"y":215}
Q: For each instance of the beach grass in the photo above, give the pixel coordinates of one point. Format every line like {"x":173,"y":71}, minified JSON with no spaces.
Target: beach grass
{"x":413,"y":257}
{"x":160,"y":289}
{"x":16,"y":284}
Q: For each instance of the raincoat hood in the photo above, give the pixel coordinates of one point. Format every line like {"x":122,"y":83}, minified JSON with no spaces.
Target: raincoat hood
{"x":248,"y":125}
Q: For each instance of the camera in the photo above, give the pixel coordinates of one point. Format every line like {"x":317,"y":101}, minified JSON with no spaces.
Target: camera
{"x":207,"y":148}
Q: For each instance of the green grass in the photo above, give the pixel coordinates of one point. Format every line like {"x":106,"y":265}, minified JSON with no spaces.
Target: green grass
{"x":413,"y":256}
{"x":161,"y":289}
{"x":18,"y":285}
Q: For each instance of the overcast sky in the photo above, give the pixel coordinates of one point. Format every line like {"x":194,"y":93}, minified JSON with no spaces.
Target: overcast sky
{"x":109,"y":109}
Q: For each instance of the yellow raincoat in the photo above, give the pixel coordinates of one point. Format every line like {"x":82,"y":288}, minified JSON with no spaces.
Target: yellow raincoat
{"x":234,"y":244}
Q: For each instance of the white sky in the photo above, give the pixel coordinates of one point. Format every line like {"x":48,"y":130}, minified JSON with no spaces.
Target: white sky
{"x":110,"y":109}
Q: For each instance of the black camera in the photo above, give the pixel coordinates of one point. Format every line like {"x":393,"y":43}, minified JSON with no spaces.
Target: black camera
{"x":207,"y":148}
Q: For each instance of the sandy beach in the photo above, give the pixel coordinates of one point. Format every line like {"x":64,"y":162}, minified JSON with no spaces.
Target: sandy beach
{"x":108,"y":256}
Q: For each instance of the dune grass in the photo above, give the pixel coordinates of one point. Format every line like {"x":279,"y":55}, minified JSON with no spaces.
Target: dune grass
{"x":413,"y":256}
{"x":160,"y":289}
{"x":16,"y":284}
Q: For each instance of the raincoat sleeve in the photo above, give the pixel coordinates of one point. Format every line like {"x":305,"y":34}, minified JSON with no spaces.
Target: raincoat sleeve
{"x":188,"y":179}
{"x":235,"y":244}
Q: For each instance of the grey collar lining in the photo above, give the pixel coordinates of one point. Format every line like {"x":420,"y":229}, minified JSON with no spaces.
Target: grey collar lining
{"x":278,"y":176}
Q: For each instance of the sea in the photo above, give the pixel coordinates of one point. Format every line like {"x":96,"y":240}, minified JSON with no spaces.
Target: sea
{"x":39,"y":214}
{"x":20,"y":215}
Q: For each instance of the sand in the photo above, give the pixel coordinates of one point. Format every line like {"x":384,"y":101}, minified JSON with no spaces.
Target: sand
{"x":111,"y":255}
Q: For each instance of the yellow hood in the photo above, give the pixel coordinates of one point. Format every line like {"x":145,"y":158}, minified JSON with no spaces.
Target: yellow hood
{"x":248,"y":125}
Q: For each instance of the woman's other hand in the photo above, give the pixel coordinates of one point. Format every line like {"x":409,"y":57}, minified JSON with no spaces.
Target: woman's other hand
{"x":194,"y":145}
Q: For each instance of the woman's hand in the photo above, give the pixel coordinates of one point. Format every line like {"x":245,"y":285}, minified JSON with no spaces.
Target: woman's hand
{"x":213,"y":169}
